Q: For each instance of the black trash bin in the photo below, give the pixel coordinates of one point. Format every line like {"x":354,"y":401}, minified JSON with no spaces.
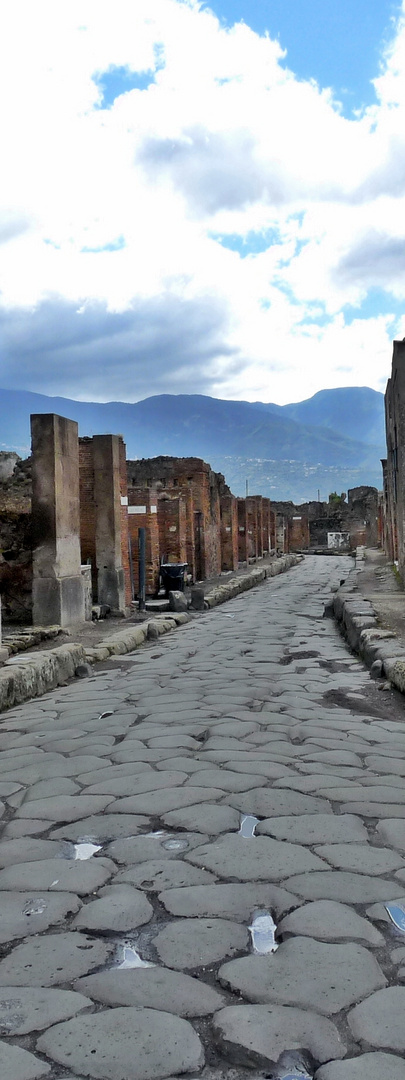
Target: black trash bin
{"x":172,"y":576}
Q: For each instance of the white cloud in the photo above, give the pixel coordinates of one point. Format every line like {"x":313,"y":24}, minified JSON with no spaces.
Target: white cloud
{"x":117,"y":212}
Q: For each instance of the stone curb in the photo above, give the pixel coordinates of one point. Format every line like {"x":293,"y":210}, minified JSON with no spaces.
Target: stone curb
{"x":29,"y":676}
{"x":359,"y":624}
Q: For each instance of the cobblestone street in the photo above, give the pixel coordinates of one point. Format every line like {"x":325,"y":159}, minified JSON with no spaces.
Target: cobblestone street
{"x":203,"y":857}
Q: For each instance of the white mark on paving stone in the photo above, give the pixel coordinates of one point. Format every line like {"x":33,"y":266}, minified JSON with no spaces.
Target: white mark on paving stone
{"x":34,"y":907}
{"x":248,"y":826}
{"x":175,"y":844}
{"x":85,"y":850}
{"x":262,"y":932}
{"x":131,"y":958}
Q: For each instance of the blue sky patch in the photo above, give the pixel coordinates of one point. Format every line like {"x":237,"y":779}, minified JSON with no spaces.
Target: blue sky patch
{"x":113,"y":245}
{"x":119,"y":80}
{"x":254,"y":243}
{"x":377,"y":302}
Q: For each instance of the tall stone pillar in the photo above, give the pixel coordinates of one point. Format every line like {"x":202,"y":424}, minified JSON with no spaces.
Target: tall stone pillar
{"x":57,"y":591}
{"x":107,"y":498}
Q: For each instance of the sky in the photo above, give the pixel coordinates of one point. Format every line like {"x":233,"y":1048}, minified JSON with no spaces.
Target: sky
{"x":201,"y":198}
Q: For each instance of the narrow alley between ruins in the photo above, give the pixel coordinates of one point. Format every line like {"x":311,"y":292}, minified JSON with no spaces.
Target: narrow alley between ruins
{"x":203,"y":857}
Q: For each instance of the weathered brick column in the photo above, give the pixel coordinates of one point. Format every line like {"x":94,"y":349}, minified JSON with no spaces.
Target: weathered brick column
{"x":107,"y":499}
{"x":58,"y":592}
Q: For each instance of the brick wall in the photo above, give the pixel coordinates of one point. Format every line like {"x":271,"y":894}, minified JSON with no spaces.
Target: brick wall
{"x":229,"y":533}
{"x":172,"y":521}
{"x":87,"y":508}
{"x":242,"y":531}
{"x":298,"y":533}
{"x":124,"y":522}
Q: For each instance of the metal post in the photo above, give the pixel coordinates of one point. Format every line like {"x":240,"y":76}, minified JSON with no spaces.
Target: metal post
{"x":142,"y":568}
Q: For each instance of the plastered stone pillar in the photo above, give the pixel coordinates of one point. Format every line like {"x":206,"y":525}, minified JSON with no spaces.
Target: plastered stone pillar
{"x":107,"y":498}
{"x":58,"y":594}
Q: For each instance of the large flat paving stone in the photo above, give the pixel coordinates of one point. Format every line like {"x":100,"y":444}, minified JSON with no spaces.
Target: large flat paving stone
{"x":224,"y":779}
{"x":26,"y":1009}
{"x":236,"y":900}
{"x":64,"y":808}
{"x":261,"y":859}
{"x":359,"y":793}
{"x":164,"y":874}
{"x":137,"y":784}
{"x":208,"y":819}
{"x":362,"y":858}
{"x":18,"y":1064}
{"x":341,"y":884}
{"x":153,"y":988}
{"x":118,"y":908}
{"x":315,"y":829}
{"x":392,"y":832}
{"x":24,"y":850}
{"x":328,"y":920}
{"x":158,"y":845}
{"x":197,"y":943}
{"x":366,"y":1067}
{"x":257,"y":1035}
{"x":129,"y":1043}
{"x":368,"y":808}
{"x":25,"y":913}
{"x":156,"y":803}
{"x":275,"y":803}
{"x":331,"y":977}
{"x":52,"y":960}
{"x":63,"y":875}
{"x":379,"y":1021}
{"x":102,"y":827}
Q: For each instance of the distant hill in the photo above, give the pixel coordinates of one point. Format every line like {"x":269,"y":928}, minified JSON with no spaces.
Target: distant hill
{"x":230,"y":433}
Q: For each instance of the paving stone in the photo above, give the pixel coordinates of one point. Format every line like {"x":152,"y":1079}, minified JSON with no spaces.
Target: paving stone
{"x":257,"y":1035}
{"x":65,"y":808}
{"x":265,"y":803}
{"x":229,"y":901}
{"x":18,"y":1064}
{"x":328,"y":920}
{"x":63,"y":875}
{"x":99,"y":828}
{"x":224,"y":779}
{"x":24,"y":1009}
{"x":118,"y":908}
{"x":208,"y":818}
{"x":16,"y":829}
{"x":153,"y":988}
{"x":366,"y":1067}
{"x":130,"y":1043}
{"x":380,"y":1020}
{"x":333,"y":757}
{"x":197,"y":943}
{"x":374,"y":809}
{"x":270,"y":769}
{"x":25,"y":913}
{"x":353,"y":793}
{"x":393,"y":832}
{"x":157,"y":803}
{"x":23,"y":850}
{"x":263,"y":859}
{"x":381,"y":763}
{"x":53,"y":959}
{"x":362,"y":858}
{"x":114,"y":772}
{"x":331,"y":977}
{"x":51,"y":789}
{"x":164,"y":874}
{"x":315,"y":828}
{"x":136,"y":785}
{"x":340,"y":884}
{"x":159,"y":845}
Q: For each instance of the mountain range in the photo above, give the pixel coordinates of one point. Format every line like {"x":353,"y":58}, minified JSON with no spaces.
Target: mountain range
{"x":331,"y":441}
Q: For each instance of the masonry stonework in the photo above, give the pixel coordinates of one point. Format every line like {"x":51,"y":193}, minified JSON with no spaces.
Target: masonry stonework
{"x":58,"y":592}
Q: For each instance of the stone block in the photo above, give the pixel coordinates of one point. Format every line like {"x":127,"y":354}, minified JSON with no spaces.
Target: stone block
{"x":177,"y":601}
{"x":58,"y":600}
